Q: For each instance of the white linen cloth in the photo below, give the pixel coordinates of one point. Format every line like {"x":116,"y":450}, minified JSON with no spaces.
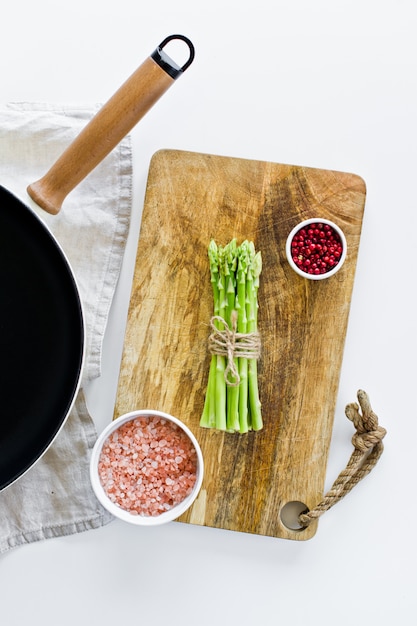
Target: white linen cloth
{"x":55,"y":498}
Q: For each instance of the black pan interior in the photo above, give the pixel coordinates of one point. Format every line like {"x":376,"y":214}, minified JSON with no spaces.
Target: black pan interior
{"x":41,"y":338}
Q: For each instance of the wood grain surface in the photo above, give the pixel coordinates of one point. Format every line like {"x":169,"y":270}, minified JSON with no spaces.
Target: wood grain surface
{"x":191,"y":198}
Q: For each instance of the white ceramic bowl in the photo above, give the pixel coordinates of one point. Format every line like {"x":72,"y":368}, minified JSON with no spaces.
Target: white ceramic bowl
{"x":306,"y":224}
{"x":122,"y":513}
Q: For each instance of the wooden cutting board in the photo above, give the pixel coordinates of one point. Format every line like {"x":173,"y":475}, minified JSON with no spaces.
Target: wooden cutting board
{"x":191,"y":198}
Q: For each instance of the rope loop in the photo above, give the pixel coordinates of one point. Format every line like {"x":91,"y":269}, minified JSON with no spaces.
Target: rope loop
{"x":366,"y":441}
{"x":368,"y":447}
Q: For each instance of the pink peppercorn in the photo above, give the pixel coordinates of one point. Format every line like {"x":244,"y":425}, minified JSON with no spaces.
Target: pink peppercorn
{"x":316,"y":249}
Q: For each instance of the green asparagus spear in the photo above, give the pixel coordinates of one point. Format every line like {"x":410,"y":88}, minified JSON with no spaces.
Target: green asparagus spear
{"x":234,"y":275}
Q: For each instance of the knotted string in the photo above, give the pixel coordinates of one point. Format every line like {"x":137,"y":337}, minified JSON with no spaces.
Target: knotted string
{"x":228,"y":342}
{"x":368,"y":445}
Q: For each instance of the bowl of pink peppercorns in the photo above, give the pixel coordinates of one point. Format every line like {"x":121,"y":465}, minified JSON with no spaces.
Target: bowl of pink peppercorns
{"x":316,"y":248}
{"x":146,"y":468}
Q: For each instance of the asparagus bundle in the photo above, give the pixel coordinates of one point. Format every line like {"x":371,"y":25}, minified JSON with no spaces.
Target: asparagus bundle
{"x":232,"y":398}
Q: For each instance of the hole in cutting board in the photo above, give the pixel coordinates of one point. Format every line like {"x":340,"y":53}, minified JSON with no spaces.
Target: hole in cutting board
{"x":289,"y":515}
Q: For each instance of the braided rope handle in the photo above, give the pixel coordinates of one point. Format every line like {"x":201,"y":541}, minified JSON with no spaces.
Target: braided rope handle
{"x":368,"y":447}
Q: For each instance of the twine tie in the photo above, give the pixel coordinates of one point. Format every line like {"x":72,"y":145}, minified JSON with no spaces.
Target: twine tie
{"x":233,"y":345}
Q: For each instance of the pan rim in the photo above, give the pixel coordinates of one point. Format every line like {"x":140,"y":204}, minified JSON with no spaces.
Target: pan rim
{"x":38,"y":455}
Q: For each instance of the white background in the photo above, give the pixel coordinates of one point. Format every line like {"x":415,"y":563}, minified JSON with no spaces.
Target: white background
{"x":323,"y":83}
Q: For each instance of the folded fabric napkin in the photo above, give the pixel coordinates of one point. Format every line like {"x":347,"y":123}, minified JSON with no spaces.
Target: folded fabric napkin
{"x":55,"y":498}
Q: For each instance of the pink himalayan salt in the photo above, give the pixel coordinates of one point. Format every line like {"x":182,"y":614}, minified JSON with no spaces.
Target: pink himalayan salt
{"x":147,"y":466}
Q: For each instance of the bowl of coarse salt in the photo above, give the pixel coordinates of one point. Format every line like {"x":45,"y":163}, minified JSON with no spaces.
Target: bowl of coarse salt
{"x":146,"y":468}
{"x":316,"y":248}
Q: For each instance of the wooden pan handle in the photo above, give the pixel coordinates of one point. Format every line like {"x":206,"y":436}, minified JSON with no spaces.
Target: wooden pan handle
{"x":108,"y":127}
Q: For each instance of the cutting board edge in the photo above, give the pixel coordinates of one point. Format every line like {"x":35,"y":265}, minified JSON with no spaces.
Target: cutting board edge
{"x":161,"y":152}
